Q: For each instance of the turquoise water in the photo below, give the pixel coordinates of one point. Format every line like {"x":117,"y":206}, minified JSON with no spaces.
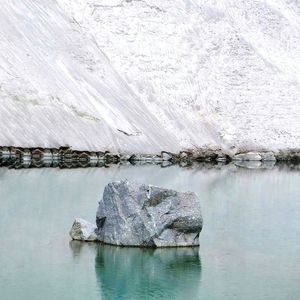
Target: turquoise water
{"x":250,"y":243}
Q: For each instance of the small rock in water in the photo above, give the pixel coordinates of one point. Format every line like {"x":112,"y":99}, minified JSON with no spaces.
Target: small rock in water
{"x":83,"y":230}
{"x":132,"y":214}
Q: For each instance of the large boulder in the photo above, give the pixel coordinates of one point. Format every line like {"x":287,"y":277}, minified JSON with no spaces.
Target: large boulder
{"x":132,"y":214}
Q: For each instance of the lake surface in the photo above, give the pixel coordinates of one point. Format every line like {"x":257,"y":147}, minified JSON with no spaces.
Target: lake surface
{"x":250,"y":242}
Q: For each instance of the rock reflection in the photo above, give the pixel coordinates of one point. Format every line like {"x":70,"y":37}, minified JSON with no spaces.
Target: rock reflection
{"x":76,"y":247}
{"x":132,"y":273}
{"x":80,"y":250}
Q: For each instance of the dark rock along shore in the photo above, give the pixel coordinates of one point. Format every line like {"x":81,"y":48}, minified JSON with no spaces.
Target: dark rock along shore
{"x":66,"y":157}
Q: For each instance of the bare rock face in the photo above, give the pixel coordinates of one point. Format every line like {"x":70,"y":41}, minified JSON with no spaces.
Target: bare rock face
{"x":255,"y":156}
{"x":83,"y":231}
{"x":249,"y":156}
{"x":268,"y":156}
{"x":132,"y":214}
{"x":166,"y":156}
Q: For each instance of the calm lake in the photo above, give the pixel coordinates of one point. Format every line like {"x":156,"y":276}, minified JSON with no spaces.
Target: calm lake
{"x":250,"y":242}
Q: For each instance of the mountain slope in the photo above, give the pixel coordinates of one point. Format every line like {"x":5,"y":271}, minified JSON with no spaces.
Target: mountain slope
{"x":231,"y":66}
{"x":57,"y":87}
{"x":145,"y":75}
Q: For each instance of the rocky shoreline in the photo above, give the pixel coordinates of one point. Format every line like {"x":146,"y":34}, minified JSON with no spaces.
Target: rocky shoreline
{"x":66,"y":157}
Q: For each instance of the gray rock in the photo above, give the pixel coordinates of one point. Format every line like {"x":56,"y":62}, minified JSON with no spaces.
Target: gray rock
{"x":83,"y":231}
{"x":100,"y":156}
{"x":166,"y":156}
{"x":132,"y":214}
{"x":145,"y":157}
{"x":125,"y":157}
{"x":249,"y":156}
{"x":268,"y":156}
{"x":185,"y":156}
{"x":255,"y":156}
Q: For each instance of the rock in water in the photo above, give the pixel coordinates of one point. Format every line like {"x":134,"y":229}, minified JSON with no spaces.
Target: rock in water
{"x":83,"y":231}
{"x":249,"y":156}
{"x":132,"y":214}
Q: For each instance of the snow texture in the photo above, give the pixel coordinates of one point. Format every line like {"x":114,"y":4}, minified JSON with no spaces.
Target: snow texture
{"x":144,"y":76}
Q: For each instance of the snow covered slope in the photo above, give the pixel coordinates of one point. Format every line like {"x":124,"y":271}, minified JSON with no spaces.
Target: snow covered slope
{"x":146,"y":75}
{"x":58,"y":88}
{"x":233,"y":65}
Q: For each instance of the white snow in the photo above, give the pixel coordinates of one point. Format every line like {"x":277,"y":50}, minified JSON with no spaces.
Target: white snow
{"x":145,"y":75}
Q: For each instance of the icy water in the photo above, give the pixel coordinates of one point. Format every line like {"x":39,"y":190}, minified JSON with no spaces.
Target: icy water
{"x":250,"y":243}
